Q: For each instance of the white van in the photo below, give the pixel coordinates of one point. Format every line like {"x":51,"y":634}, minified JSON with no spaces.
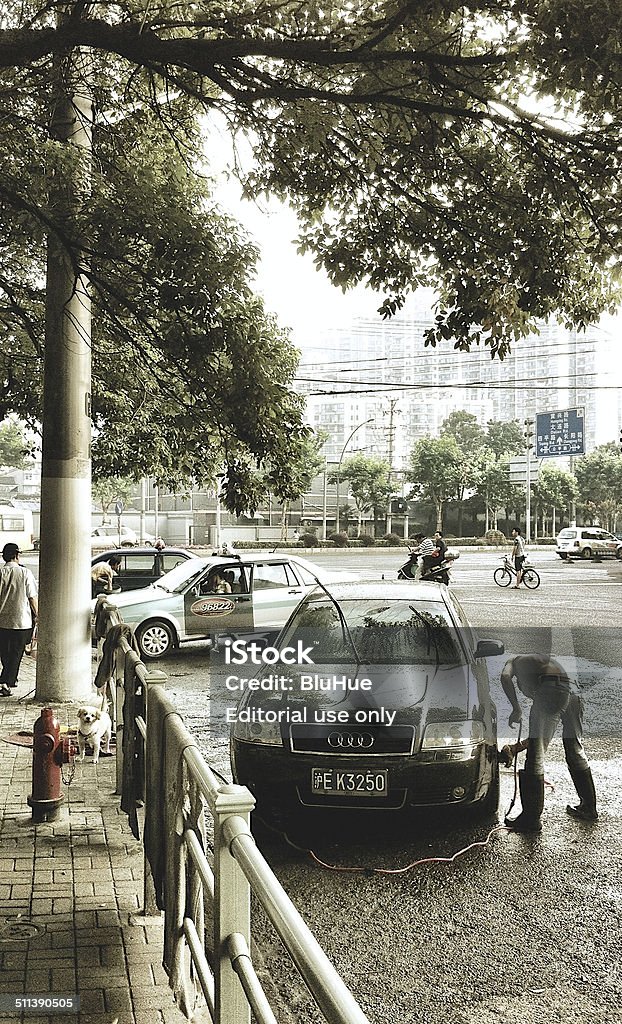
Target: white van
{"x":587,"y":541}
{"x":16,"y":527}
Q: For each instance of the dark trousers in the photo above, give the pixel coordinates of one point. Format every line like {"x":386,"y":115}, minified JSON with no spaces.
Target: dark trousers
{"x":12,"y":645}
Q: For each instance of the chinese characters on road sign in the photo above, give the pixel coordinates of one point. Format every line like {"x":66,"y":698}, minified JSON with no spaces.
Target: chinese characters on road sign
{"x":560,"y":433}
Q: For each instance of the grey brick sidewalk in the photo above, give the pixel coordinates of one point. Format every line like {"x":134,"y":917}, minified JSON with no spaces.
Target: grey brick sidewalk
{"x":71,"y":891}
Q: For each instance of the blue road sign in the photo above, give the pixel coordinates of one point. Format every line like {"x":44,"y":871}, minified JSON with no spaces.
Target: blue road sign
{"x":560,"y":433}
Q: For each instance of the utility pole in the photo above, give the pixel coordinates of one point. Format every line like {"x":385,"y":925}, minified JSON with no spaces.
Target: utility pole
{"x":64,"y":665}
{"x":528,"y":446}
{"x":392,"y":408}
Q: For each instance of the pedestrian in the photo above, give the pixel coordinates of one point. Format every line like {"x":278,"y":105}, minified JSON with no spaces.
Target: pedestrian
{"x":554,"y":698}
{"x":159,"y":544}
{"x":296,"y":536}
{"x":18,"y":615}
{"x":440,"y":545}
{"x":102,"y":575}
{"x":518,"y":554}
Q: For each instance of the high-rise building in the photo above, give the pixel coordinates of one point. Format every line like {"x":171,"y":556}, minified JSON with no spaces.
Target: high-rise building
{"x":382,"y":371}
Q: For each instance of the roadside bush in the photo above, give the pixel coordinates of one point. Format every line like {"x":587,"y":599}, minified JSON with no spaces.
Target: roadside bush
{"x":366,"y":540}
{"x":309,"y":540}
{"x":495,"y":537}
{"x":392,"y":540}
{"x":340,"y":540}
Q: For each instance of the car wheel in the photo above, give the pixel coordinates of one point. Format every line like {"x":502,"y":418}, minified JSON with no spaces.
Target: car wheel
{"x":127,"y":544}
{"x":155,"y":638}
{"x":619,"y":553}
{"x":586,"y":553}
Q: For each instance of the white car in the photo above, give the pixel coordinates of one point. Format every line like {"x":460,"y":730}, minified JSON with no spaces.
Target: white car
{"x":108,"y":536}
{"x":587,"y":542}
{"x":188,"y":603}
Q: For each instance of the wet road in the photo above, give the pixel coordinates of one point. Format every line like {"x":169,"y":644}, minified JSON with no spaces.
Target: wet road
{"x":524,"y":928}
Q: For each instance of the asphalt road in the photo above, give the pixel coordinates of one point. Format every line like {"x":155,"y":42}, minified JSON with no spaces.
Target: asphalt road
{"x":520,"y":928}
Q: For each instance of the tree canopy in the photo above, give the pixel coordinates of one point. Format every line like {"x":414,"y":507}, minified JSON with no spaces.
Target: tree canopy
{"x":14,"y":445}
{"x":472,"y":148}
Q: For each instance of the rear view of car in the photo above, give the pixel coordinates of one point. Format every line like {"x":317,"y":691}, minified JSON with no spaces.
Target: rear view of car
{"x":388,"y":710}
{"x":587,"y":542}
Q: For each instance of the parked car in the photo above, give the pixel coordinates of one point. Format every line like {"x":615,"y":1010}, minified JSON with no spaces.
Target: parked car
{"x":141,"y":566}
{"x":413,"y":726}
{"x":184,"y":604}
{"x":107,"y":536}
{"x":587,"y":541}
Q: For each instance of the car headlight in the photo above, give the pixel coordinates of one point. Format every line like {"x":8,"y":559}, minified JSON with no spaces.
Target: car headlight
{"x":257,"y":723}
{"x":452,"y":735}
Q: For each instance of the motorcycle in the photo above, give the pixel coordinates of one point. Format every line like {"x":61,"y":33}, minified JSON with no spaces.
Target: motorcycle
{"x":436,"y":571}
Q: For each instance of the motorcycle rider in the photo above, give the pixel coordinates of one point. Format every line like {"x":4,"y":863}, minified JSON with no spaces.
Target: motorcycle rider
{"x":440,"y":544}
{"x":554,"y":698}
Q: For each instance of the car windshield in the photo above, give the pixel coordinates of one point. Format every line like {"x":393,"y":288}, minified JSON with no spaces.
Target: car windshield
{"x":182,"y":576}
{"x":376,"y":632}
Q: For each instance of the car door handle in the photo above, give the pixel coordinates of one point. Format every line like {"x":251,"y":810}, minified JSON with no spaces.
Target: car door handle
{"x":295,"y":591}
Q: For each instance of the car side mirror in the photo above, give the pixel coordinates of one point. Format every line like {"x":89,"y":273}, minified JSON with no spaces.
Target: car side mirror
{"x":489,"y":648}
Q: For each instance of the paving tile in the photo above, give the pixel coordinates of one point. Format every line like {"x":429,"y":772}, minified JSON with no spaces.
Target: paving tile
{"x":80,"y":879}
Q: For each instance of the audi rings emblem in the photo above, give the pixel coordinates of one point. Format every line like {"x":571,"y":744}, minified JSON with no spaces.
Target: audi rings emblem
{"x":351,"y":740}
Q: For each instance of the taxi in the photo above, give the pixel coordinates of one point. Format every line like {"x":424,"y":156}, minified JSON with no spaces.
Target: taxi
{"x":219,"y":596}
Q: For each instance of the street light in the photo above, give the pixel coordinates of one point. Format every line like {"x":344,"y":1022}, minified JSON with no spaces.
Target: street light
{"x":343,"y":451}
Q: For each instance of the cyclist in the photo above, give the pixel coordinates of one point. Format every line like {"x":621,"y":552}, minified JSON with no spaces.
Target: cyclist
{"x":518,"y":554}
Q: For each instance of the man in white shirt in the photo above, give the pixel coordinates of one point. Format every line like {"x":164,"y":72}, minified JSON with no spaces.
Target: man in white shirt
{"x":518,"y":554}
{"x":18,"y":614}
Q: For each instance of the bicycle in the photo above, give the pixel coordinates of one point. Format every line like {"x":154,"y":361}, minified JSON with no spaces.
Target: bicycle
{"x":504,"y":573}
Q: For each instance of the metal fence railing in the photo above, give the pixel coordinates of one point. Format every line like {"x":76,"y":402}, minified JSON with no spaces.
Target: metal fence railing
{"x":204,"y":888}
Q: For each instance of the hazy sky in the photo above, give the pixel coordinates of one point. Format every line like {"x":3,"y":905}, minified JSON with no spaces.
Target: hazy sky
{"x":301,"y":296}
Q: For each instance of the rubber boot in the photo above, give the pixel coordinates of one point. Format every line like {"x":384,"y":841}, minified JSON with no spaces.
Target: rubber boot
{"x":584,"y":785}
{"x":532,"y":800}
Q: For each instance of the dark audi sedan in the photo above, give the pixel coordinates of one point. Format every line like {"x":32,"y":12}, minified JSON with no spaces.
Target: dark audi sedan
{"x":379,"y":699}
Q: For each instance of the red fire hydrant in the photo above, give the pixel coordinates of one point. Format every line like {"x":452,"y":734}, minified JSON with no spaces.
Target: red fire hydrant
{"x":48,"y":754}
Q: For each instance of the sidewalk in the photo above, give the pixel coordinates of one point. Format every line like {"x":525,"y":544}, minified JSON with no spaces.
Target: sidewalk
{"x":71,"y":891}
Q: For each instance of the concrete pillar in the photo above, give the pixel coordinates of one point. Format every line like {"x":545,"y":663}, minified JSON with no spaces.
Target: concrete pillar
{"x":64,"y":665}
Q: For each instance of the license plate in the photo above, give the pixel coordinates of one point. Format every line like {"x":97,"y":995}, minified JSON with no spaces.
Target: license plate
{"x":336,"y":781}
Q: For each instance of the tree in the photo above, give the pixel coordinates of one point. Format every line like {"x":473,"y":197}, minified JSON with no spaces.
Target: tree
{"x":599,"y":479}
{"x":190,"y":375}
{"x":435,"y":471}
{"x":469,"y":437}
{"x":501,"y":440}
{"x":369,"y":480}
{"x":108,"y":491}
{"x":474,"y":148}
{"x":493,"y":484}
{"x":554,"y":490}
{"x":14,"y":446}
{"x":505,"y":438}
{"x":304,"y":472}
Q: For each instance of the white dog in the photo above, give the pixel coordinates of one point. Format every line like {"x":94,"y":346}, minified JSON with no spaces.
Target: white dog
{"x":94,"y":729}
